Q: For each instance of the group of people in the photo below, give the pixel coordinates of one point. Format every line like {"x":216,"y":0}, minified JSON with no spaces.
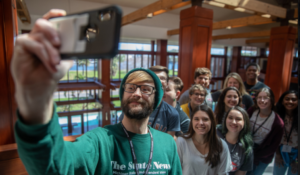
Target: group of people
{"x":240,"y":136}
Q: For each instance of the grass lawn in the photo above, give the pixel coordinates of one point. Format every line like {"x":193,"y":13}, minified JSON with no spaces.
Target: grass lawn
{"x":122,"y":75}
{"x":171,"y":73}
{"x":79,"y":107}
{"x":69,"y":99}
{"x":117,"y":103}
{"x":72,"y":75}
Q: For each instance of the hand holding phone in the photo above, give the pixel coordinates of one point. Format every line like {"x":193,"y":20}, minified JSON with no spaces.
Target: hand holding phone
{"x":91,"y":34}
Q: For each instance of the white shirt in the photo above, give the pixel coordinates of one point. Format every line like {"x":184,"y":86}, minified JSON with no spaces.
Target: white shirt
{"x":264,"y":130}
{"x":193,"y":162}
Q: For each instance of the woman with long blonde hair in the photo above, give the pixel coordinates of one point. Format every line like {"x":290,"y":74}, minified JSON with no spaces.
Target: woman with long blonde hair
{"x":234,"y":80}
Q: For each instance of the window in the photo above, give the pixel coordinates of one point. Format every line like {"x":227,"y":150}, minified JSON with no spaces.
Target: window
{"x":83,"y":70}
{"x":217,"y":51}
{"x":173,"y":65}
{"x":249,"y":51}
{"x":171,"y":48}
{"x":296,"y":53}
{"x":267,"y":52}
{"x":135,"y":46}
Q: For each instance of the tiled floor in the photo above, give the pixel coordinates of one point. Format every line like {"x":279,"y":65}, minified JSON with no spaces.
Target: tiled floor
{"x":269,"y":169}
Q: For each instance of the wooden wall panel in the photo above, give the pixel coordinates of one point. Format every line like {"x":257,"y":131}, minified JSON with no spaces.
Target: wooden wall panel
{"x":106,"y":92}
{"x":161,"y":56}
{"x":184,"y":65}
{"x":195,"y":42}
{"x":280,"y":59}
{"x":236,"y":59}
{"x":7,"y":103}
{"x":12,"y":166}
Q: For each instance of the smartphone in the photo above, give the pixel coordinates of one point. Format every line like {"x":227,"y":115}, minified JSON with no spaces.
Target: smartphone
{"x":90,"y":34}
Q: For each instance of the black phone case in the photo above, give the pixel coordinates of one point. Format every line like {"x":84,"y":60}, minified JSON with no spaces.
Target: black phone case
{"x":106,"y":43}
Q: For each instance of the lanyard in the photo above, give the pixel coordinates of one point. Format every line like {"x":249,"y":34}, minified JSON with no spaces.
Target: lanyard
{"x":233,"y":146}
{"x":133,"y":153}
{"x":288,"y":137}
{"x":253,"y":132}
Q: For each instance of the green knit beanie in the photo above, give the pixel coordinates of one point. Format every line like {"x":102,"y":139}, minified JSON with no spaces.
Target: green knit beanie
{"x":158,"y":86}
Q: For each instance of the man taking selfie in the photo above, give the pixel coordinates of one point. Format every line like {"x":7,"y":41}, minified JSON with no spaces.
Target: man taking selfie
{"x":130,"y":147}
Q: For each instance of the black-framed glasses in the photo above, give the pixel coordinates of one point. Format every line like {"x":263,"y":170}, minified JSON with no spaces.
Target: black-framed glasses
{"x":197,"y":94}
{"x":145,"y":89}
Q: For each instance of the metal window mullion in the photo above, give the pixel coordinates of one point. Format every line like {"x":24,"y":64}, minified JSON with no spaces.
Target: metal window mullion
{"x":77,"y":70}
{"x":119,"y":66}
{"x":68,"y":76}
{"x":134,"y":61}
{"x":173,"y":67}
{"x":148,"y":60}
{"x":142,"y":64}
{"x":94,"y":69}
{"x":126,"y":63}
{"x":86,"y":75}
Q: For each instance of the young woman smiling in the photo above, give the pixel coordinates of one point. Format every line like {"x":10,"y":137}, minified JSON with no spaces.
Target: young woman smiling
{"x":197,"y":94}
{"x":287,"y":153}
{"x":235,"y":130}
{"x":266,"y":128}
{"x":229,"y":98}
{"x":234,"y":80}
{"x":200,"y":150}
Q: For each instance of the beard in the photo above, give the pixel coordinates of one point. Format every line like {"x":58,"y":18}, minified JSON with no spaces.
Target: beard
{"x":146,"y":110}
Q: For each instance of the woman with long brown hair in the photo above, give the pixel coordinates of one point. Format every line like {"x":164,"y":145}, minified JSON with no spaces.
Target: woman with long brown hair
{"x":200,"y":150}
{"x":229,"y":98}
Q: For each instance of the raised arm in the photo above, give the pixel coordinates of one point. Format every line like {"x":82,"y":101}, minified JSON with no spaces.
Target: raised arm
{"x":36,"y":69}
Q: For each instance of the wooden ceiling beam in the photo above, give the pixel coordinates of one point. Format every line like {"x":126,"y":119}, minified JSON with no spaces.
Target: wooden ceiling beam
{"x":153,"y":9}
{"x":262,"y":40}
{"x":242,"y":22}
{"x":162,"y":6}
{"x":173,"y":32}
{"x":23,"y":12}
{"x":234,"y":23}
{"x":253,"y":5}
{"x":243,"y":35}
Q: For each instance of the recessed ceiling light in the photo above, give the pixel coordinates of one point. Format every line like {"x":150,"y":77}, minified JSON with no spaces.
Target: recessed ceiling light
{"x":266,"y":15}
{"x":240,"y":9}
{"x":293,"y":21}
{"x":150,"y":15}
{"x":216,"y":4}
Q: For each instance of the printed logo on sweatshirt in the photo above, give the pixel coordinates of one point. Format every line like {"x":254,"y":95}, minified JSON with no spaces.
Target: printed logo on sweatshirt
{"x":235,"y":161}
{"x":155,"y":168}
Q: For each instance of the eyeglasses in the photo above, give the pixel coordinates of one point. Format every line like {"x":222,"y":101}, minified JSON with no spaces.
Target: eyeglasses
{"x":263,"y":98}
{"x":145,"y":89}
{"x":202,"y":95}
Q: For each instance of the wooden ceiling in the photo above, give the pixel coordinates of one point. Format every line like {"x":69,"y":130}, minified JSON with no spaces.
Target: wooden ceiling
{"x":149,"y":19}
